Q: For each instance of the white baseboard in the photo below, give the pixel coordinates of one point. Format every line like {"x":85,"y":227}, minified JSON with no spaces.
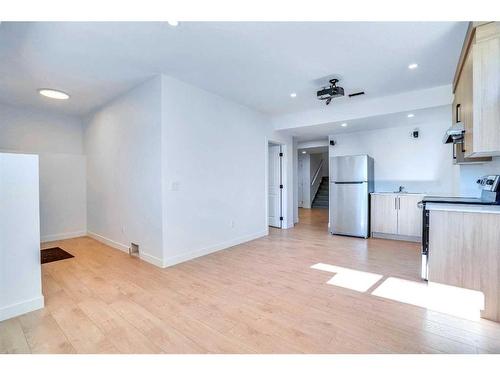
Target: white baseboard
{"x":21,"y":308}
{"x":152,"y":259}
{"x":170,"y":261}
{"x":62,"y":236}
{"x":107,"y":241}
{"x":116,"y":245}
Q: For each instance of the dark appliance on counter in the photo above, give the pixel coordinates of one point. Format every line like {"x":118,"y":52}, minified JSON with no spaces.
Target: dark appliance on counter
{"x":490,"y":195}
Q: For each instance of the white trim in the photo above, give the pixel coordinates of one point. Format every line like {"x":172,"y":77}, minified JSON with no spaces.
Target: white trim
{"x":21,"y":308}
{"x":170,"y":261}
{"x":155,"y":261}
{"x":116,"y":245}
{"x":62,"y":236}
{"x":107,"y":241}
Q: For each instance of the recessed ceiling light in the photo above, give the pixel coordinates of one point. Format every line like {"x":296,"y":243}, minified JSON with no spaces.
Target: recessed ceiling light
{"x":410,"y":115}
{"x":413,"y":66}
{"x":173,"y":23}
{"x":293,"y":94}
{"x":344,"y":124}
{"x":53,"y":94}
{"x":304,"y":152}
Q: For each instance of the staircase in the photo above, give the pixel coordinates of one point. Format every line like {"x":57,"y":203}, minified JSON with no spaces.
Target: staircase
{"x":321,"y":198}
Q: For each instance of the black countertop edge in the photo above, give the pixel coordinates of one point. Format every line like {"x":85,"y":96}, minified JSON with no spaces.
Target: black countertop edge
{"x":458,"y":200}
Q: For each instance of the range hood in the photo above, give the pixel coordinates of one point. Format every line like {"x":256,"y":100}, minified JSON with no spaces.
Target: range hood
{"x":454,"y":134}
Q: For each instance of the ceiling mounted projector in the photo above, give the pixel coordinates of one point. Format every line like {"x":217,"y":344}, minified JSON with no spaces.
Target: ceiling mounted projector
{"x":328,"y":93}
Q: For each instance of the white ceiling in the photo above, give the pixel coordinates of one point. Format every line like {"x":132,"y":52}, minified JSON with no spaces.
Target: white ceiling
{"x":421,"y":116}
{"x":257,"y":64}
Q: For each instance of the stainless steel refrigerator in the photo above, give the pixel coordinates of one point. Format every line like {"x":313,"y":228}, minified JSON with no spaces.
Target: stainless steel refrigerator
{"x":351,"y":182}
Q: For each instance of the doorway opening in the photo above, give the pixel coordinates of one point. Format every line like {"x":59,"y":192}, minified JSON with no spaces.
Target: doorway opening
{"x":275,"y":185}
{"x":313,"y":185}
{"x":313,"y":182}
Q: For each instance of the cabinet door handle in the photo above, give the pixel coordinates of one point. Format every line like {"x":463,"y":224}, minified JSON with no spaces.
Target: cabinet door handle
{"x":458,"y":113}
{"x":399,"y":203}
{"x":395,"y":203}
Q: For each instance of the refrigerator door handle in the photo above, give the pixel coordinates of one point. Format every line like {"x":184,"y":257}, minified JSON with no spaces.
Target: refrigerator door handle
{"x":348,"y":182}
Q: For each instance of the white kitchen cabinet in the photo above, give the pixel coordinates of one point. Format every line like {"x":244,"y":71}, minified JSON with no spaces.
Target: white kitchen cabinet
{"x":396,"y":216}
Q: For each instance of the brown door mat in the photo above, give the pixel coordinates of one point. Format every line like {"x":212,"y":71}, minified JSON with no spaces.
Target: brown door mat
{"x":53,"y":254}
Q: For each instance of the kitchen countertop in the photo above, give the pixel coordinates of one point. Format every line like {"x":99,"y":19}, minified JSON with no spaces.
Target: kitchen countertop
{"x":491,"y":209}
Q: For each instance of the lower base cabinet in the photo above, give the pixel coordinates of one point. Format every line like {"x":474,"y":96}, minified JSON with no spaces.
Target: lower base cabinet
{"x":396,"y":216}
{"x":464,"y":250}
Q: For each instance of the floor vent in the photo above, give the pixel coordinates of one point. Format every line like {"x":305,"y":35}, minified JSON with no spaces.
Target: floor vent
{"x":133,"y":250}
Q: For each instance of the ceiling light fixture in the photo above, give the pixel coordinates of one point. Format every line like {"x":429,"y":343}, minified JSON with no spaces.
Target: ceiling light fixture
{"x":293,"y":95}
{"x":173,"y":23}
{"x":304,"y":152}
{"x":344,"y":124}
{"x":413,"y":66}
{"x":410,"y":115}
{"x":53,"y":94}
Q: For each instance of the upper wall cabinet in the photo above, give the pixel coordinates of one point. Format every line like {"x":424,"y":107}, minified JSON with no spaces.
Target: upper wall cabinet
{"x":477,"y":90}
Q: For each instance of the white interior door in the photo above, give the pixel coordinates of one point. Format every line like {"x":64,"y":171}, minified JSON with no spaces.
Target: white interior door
{"x":274,"y":190}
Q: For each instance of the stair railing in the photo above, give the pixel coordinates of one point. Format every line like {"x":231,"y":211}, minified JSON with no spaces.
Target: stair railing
{"x":316,"y":181}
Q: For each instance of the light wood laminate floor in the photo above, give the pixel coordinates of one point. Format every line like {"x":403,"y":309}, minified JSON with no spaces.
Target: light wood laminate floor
{"x":258,"y":297}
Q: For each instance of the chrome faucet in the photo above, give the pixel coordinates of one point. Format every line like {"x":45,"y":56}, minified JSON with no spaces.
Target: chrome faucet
{"x":401,"y":189}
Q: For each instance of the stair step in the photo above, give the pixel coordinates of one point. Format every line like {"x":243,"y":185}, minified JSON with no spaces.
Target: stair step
{"x":323,"y":194}
{"x":320,"y":200}
{"x":320,"y":206}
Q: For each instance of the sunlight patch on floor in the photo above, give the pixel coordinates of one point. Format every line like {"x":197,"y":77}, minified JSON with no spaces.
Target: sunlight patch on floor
{"x":359,"y":281}
{"x":464,"y":303}
{"x":460,"y":302}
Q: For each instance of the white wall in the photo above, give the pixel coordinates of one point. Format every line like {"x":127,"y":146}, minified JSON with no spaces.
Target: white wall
{"x":124,"y":175}
{"x":325,"y":171}
{"x":470,"y":173}
{"x":421,"y":165}
{"x":304,"y":174}
{"x":214,"y":167}
{"x":20,"y":270}
{"x":295,"y":177}
{"x":58,"y":140}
